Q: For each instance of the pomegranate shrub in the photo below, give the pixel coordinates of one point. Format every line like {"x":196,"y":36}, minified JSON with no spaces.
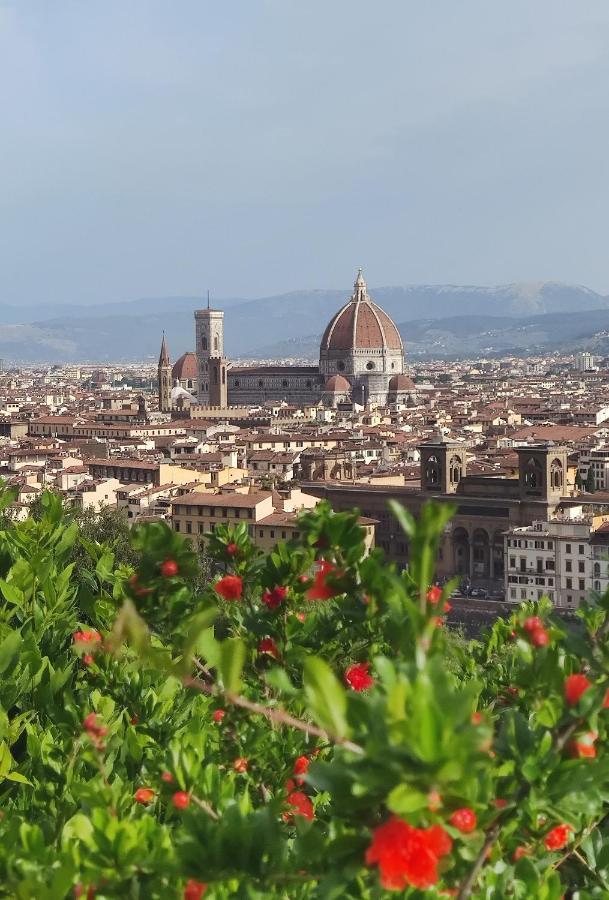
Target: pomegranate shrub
{"x":305,"y":727}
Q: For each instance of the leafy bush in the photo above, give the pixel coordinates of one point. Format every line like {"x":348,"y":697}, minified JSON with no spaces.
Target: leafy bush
{"x":303,"y":726}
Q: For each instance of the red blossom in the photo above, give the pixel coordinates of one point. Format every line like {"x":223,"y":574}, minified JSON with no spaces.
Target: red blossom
{"x":144,"y":796}
{"x":476,"y":718}
{"x":230,"y":587}
{"x":540,"y":638}
{"x":464,"y":820}
{"x":321,"y":590}
{"x":218,"y":715}
{"x":301,"y":806}
{"x":194,"y":890}
{"x":268,"y":645}
{"x":533,"y":623}
{"x":169,"y":568}
{"x":499,"y":803}
{"x":300,"y":616}
{"x":167,"y":777}
{"x":575,"y":686}
{"x":558,"y":837}
{"x":519,"y":852}
{"x":273,"y":599}
{"x":181,"y":800}
{"x":232,"y":549}
{"x":357,"y":677}
{"x":87,"y":660}
{"x":407,"y":856}
{"x":434,"y":801}
{"x":606,"y":699}
{"x":582,"y":747}
{"x":87,"y":637}
{"x":240,"y":765}
{"x":434,"y":594}
{"x":301,"y":765}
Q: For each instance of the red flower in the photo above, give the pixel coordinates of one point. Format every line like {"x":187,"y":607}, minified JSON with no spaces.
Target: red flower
{"x":92,"y":727}
{"x":181,"y":800}
{"x":240,"y":765}
{"x":519,"y":852}
{"x":301,"y":806}
{"x":434,"y":594}
{"x":273,"y":599}
{"x":134,"y":720}
{"x":230,"y":587}
{"x":86,"y":637}
{"x":218,"y":715}
{"x":301,"y":617}
{"x":87,"y":660}
{"x":499,"y":803}
{"x":476,"y":718}
{"x":268,"y":645}
{"x":464,"y":820}
{"x":194,"y":890}
{"x":533,"y":623}
{"x":167,"y":777}
{"x":606,"y":699}
{"x":321,"y":590}
{"x":357,"y":677}
{"x":169,"y":569}
{"x":79,"y":890}
{"x":301,"y":765}
{"x":232,"y":549}
{"x":434,"y":801}
{"x":583,"y":746}
{"x":407,"y":856}
{"x":540,"y":638}
{"x":144,"y":796}
{"x":575,"y":686}
{"x":558,"y":837}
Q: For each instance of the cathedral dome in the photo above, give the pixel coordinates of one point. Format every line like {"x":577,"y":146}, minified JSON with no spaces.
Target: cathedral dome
{"x":401,"y":383}
{"x":185,"y":368}
{"x":361,"y":325}
{"x":337,"y":384}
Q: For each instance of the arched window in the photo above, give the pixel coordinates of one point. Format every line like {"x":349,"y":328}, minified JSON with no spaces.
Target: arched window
{"x":597,"y":586}
{"x":203,"y":343}
{"x":223,"y":375}
{"x":556,"y":475}
{"x":455,"y":469}
{"x":532,"y":475}
{"x":597,"y":570}
{"x":216,"y":343}
{"x":432,"y":471}
{"x":215,"y":376}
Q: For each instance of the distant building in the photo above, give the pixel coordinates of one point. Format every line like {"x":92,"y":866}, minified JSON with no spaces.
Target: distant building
{"x":584,"y":362}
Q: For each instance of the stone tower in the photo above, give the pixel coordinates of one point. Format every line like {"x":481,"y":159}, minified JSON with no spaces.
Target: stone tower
{"x":211,"y":363}
{"x":164,"y":378}
{"x":542,"y":472}
{"x":443,"y":465}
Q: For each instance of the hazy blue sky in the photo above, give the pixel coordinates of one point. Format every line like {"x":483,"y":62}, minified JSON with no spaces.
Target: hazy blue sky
{"x":152,"y":147}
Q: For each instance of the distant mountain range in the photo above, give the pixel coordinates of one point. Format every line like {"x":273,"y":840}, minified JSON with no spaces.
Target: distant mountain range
{"x":439,"y":321}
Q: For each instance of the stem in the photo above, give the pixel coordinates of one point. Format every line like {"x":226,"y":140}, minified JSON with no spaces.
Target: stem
{"x":204,"y":805}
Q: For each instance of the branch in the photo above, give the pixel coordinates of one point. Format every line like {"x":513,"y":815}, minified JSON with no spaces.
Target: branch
{"x":273,"y":714}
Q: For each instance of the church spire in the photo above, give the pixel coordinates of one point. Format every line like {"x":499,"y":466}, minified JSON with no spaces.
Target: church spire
{"x":164,"y":356}
{"x":360,"y":291}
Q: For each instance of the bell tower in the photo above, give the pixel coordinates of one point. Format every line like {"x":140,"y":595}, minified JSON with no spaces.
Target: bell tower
{"x":164,"y":378}
{"x":443,"y":465}
{"x":211,"y":363}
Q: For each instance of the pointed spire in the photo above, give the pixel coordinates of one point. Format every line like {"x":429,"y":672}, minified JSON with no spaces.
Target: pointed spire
{"x":164,"y":356}
{"x":360,"y":291}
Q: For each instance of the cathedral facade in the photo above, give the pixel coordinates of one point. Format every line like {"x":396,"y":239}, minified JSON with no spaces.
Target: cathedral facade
{"x":361,"y":360}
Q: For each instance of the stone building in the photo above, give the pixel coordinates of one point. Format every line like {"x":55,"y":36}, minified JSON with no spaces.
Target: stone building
{"x":361,"y":360}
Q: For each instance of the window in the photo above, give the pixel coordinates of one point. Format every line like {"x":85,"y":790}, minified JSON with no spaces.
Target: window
{"x":370,"y":365}
{"x":176,"y":525}
{"x":568,"y":548}
{"x":201,"y":527}
{"x":513,"y":593}
{"x":581,"y":549}
{"x":582,"y":566}
{"x":272,"y":532}
{"x":283,"y":535}
{"x":568,"y":566}
{"x":512,"y":562}
{"x":582,"y":584}
{"x":189,"y":528}
{"x":550,"y":545}
{"x":597,"y":586}
{"x":570,"y":583}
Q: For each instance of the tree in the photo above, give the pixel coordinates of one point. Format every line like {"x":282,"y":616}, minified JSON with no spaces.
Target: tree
{"x":590,"y":481}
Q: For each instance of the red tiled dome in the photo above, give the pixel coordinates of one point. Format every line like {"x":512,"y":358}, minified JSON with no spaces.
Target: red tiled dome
{"x":401,"y":383}
{"x":185,"y":367}
{"x":337,"y":384}
{"x":361,"y":324}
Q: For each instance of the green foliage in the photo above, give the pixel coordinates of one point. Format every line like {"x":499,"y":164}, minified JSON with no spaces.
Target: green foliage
{"x":295,"y":708}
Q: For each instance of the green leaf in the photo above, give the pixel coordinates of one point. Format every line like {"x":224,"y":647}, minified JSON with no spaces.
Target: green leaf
{"x":232,"y":659}
{"x":9,"y":648}
{"x":326,"y":696}
{"x":404,"y":799}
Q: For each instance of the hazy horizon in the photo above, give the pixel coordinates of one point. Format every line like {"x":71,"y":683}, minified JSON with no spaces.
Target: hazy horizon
{"x":258,"y":148}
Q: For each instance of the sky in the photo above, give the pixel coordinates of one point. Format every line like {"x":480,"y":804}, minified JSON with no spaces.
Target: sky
{"x":164,"y":147}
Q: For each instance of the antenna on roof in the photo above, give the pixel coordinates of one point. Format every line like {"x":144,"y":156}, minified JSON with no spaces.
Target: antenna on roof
{"x":208,"y":298}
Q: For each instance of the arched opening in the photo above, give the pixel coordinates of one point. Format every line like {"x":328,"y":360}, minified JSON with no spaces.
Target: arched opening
{"x":455,"y":469}
{"x":432,"y":472}
{"x":556,"y":474}
{"x":597,"y":570}
{"x":216,"y":343}
{"x":481,"y":553}
{"x":498,"y":555}
{"x":203,"y":343}
{"x":461,"y":551}
{"x":533,"y":478}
